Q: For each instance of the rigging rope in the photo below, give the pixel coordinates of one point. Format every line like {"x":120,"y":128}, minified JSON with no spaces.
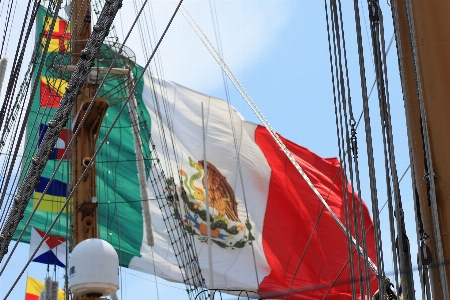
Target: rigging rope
{"x":383,"y":95}
{"x":352,"y":147}
{"x":10,"y":30}
{"x":6,"y":26}
{"x":370,"y":156}
{"x":17,"y":64}
{"x":141,"y":168}
{"x":339,"y":126}
{"x":375,"y":80}
{"x":382,"y":92}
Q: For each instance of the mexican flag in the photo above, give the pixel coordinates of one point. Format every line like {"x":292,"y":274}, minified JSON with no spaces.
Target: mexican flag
{"x":269,"y":231}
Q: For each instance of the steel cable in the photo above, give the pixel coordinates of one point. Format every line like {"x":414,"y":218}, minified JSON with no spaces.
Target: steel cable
{"x":370,"y":156}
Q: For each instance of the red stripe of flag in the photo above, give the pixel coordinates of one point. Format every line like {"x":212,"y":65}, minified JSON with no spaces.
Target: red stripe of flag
{"x":291,"y":214}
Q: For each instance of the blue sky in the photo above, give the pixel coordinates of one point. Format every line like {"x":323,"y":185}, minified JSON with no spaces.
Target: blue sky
{"x":279,"y":51}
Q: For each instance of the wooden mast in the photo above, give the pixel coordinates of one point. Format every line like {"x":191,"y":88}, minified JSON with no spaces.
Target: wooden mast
{"x":423,"y":40}
{"x":84,"y":218}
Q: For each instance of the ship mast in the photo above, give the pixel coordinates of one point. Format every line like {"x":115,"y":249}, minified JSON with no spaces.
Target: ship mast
{"x":84,"y":200}
{"x":84,"y":218}
{"x":423,"y":41}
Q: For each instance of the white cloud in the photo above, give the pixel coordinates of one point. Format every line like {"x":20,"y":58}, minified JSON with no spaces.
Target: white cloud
{"x":246,"y":29}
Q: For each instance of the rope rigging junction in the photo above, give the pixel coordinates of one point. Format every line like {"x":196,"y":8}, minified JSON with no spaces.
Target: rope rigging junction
{"x":101,"y":60}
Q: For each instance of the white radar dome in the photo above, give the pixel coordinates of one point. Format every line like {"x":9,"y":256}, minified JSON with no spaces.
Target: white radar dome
{"x":93,"y":269}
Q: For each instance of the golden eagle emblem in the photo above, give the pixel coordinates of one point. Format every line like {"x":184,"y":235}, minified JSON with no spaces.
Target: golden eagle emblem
{"x":227,"y":230}
{"x":221,"y":195}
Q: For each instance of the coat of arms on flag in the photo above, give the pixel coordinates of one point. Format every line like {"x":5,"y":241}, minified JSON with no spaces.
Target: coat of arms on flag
{"x":52,"y":251}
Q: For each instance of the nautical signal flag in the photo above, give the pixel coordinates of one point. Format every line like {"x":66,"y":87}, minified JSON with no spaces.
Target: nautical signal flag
{"x":60,"y":39}
{"x":54,"y":198}
{"x":51,"y":252}
{"x":35,"y":287}
{"x":52,"y":90}
{"x":61,"y":144}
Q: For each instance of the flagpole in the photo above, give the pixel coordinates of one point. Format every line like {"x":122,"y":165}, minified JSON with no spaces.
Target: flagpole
{"x":208,"y":218}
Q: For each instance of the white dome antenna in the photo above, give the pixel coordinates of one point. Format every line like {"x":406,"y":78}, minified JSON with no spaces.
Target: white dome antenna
{"x":94,"y":269}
